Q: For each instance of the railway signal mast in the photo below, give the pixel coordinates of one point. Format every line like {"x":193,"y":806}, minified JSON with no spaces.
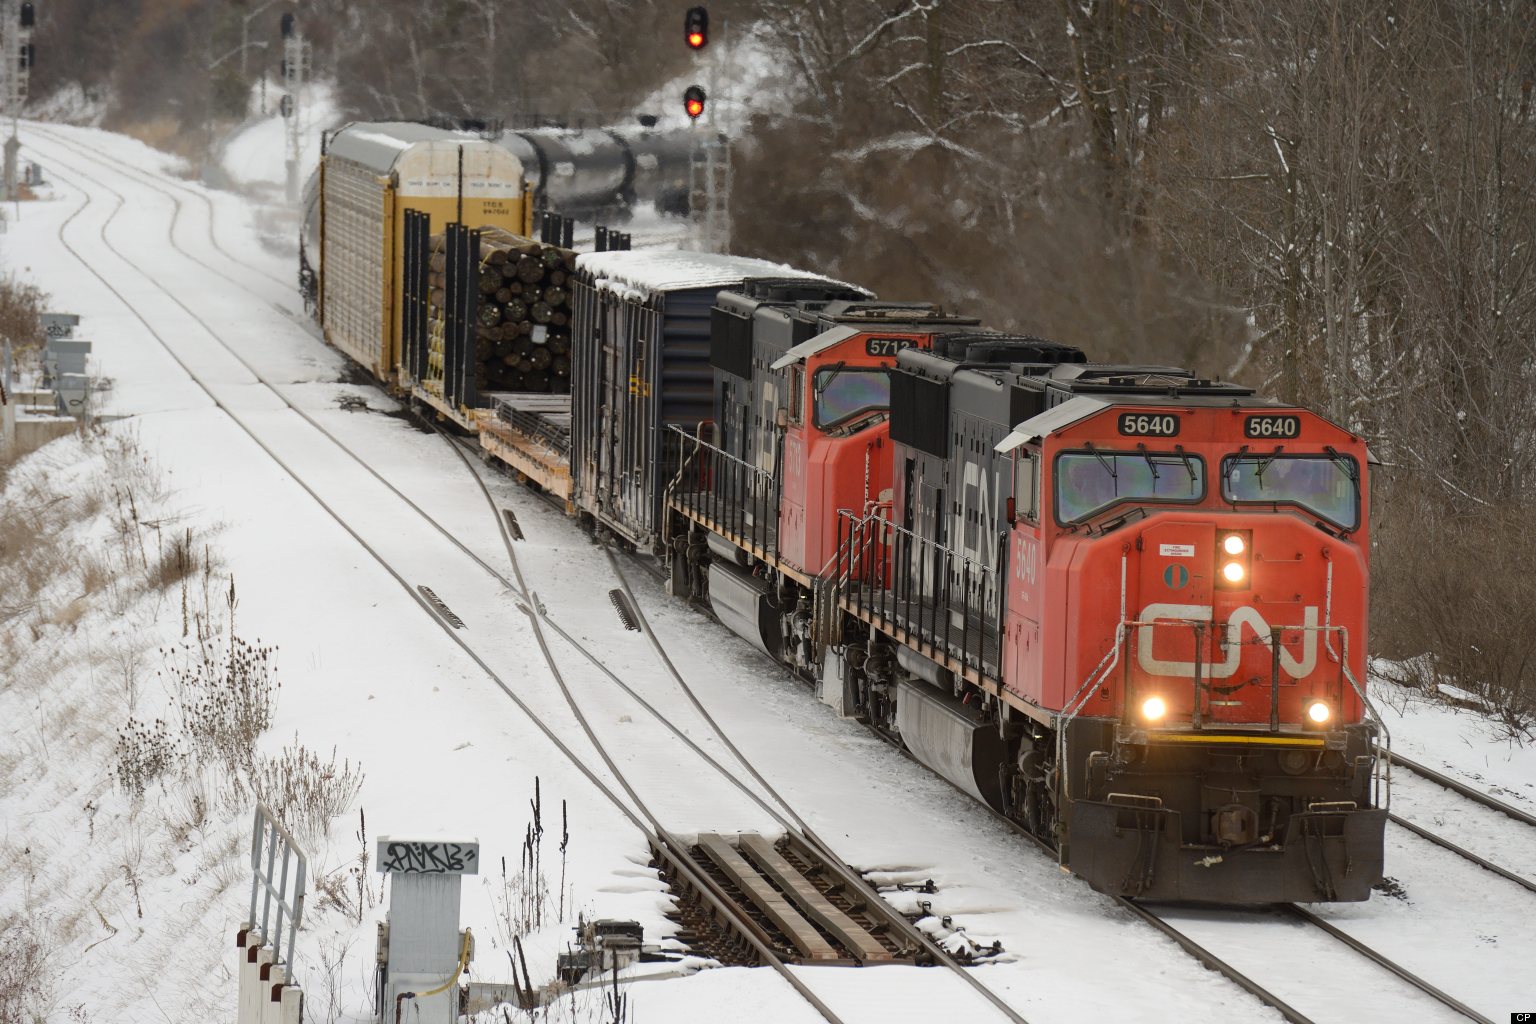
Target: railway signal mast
{"x":17,"y":55}
{"x":709,"y":178}
{"x":294,"y":71}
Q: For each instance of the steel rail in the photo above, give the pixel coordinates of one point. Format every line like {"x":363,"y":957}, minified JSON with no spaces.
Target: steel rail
{"x":277,"y":392}
{"x":1213,"y":962}
{"x":1462,"y":789}
{"x":1377,"y":958}
{"x":813,"y":839}
{"x":676,"y":853}
{"x":150,"y":178}
{"x":1446,"y":844}
{"x":661,"y":840}
{"x":794,"y":823}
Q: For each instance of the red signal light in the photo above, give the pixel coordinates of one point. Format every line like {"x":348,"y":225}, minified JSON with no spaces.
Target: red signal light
{"x":696,"y":27}
{"x":693,"y":102}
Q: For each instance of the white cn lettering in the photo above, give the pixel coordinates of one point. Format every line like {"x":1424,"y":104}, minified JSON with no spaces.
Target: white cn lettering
{"x":1244,"y":616}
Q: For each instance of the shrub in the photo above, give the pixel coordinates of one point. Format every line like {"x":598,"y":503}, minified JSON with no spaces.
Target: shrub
{"x":28,"y":964}
{"x":145,"y":753}
{"x":227,"y":696}
{"x":305,"y":792}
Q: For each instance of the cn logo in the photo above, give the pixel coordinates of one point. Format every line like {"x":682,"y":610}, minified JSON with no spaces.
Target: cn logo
{"x":1184,"y":616}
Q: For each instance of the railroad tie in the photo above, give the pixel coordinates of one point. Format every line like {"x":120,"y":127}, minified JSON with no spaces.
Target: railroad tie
{"x":800,"y":932}
{"x":864,"y":946}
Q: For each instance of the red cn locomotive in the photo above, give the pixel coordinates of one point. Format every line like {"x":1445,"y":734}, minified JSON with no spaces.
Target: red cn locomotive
{"x":1122,"y":605}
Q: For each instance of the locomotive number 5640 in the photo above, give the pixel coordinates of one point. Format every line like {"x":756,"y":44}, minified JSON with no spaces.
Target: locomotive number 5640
{"x":1143,"y":424}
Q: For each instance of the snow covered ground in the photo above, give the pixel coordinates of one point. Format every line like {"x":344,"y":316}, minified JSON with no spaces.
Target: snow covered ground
{"x":442,"y":749}
{"x":255,"y":155}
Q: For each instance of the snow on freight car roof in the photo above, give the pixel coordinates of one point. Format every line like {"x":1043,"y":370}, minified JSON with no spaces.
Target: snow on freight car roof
{"x":378,"y":144}
{"x":639,"y":274}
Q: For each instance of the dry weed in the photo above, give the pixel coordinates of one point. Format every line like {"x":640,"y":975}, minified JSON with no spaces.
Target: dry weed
{"x":306,"y":792}
{"x":28,"y":969}
{"x":226,"y":694}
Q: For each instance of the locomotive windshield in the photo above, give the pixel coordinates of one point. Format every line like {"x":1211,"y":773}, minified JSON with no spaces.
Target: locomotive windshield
{"x":1326,"y":485}
{"x":1089,"y":482}
{"x":843,"y":393}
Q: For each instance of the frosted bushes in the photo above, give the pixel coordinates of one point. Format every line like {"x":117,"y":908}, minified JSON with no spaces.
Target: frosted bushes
{"x":1456,"y":616}
{"x":28,"y":966}
{"x":305,"y":792}
{"x":146,"y":753}
{"x":226,"y":697}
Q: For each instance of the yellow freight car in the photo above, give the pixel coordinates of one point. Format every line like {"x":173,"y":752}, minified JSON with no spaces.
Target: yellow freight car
{"x":370,"y":175}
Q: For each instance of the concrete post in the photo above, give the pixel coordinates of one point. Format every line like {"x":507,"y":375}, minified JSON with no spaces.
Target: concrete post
{"x":272,"y":993}
{"x":251,"y":961}
{"x":292,"y":1005}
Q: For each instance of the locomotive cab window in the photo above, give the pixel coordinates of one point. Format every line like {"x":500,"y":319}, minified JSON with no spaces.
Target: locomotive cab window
{"x":1088,"y":482}
{"x":844,"y":393}
{"x":1327,"y":486}
{"x":796,"y":395}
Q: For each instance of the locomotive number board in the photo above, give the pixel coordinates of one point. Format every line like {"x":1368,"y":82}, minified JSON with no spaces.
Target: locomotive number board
{"x":886,"y":346}
{"x":1272,"y":426}
{"x":1149,"y":424}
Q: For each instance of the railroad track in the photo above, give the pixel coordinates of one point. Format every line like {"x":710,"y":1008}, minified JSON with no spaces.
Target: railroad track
{"x":1467,"y":792}
{"x":1439,"y":995}
{"x":884,"y":937}
{"x":692,"y":867}
{"x":1213,"y":961}
{"x":873,"y":940}
{"x":164,"y":185}
{"x":674,"y":852}
{"x":1462,"y":789}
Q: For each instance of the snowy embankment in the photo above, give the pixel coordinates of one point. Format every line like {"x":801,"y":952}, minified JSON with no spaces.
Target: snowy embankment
{"x":440,"y":750}
{"x":135,"y":709}
{"x":255,"y":155}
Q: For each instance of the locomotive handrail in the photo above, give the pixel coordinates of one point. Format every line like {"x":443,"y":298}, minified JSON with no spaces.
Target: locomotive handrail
{"x":1383,"y":751}
{"x":1272,"y":639}
{"x":1075,"y":706}
{"x":682,"y":463}
{"x":730,"y":487}
{"x":891,"y":593}
{"x":1383,"y":774}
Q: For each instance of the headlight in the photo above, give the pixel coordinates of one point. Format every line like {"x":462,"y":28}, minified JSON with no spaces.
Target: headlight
{"x":1233,"y":572}
{"x":1318,"y":712}
{"x":1233,"y":544}
{"x":1154,"y":708}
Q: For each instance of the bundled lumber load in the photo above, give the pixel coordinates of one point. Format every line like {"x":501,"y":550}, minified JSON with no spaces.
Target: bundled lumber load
{"x":522,"y":311}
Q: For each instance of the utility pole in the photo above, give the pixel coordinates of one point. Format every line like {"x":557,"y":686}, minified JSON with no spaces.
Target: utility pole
{"x":16,"y":56}
{"x":295,"y":70}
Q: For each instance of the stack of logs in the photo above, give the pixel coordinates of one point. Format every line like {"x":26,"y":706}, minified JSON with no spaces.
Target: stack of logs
{"x":522,"y":311}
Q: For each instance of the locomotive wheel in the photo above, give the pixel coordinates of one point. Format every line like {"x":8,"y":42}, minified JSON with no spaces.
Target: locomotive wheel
{"x":1038,"y":806}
